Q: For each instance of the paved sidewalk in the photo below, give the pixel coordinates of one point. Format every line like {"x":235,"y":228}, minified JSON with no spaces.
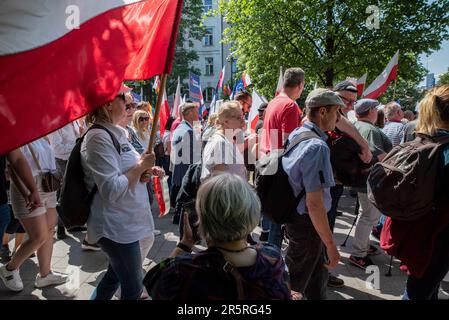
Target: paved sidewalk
{"x":89,"y":267}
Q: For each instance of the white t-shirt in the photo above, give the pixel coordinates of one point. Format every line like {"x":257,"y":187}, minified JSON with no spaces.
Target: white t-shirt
{"x":220,"y":150}
{"x":44,"y":153}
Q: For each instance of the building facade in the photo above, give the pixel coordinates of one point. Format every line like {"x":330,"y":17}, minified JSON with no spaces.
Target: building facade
{"x":212,"y":53}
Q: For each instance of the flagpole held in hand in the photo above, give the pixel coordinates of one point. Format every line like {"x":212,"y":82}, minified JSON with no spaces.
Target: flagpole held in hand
{"x":157,"y":110}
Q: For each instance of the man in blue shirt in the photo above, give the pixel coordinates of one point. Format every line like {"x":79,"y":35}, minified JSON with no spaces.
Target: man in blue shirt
{"x":312,"y":251}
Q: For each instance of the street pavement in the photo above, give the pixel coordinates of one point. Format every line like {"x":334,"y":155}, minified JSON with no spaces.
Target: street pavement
{"x":87,"y":268}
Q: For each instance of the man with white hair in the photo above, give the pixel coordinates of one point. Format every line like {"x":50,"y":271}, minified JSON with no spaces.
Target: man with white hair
{"x":394,"y":128}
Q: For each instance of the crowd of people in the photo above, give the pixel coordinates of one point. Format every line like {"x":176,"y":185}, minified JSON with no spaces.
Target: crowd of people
{"x":210,"y":163}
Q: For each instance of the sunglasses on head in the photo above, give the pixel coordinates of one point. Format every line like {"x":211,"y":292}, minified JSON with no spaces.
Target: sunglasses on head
{"x":142,"y":119}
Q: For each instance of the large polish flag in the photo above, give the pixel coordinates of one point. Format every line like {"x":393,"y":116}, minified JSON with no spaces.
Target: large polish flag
{"x":361,"y":84}
{"x":55,"y":70}
{"x":280,"y":84}
{"x":380,"y":85}
{"x":253,"y":116}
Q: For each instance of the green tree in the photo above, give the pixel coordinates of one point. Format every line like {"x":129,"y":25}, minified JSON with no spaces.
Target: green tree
{"x":444,"y":78}
{"x":332,"y":39}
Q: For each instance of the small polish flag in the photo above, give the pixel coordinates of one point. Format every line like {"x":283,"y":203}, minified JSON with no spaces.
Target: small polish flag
{"x":380,"y":85}
{"x":280,"y":85}
{"x":361,"y":84}
{"x":246,"y":79}
{"x":253,"y":116}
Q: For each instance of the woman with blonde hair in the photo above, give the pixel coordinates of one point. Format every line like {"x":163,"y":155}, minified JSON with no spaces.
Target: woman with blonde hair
{"x":119,"y":216}
{"x":222,"y":152}
{"x":428,"y":262}
{"x":141,"y":125}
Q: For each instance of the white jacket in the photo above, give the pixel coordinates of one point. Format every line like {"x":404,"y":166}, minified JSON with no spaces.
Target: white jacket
{"x":64,"y":139}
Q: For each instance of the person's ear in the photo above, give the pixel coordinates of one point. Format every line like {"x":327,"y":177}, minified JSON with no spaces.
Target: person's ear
{"x":109,"y":107}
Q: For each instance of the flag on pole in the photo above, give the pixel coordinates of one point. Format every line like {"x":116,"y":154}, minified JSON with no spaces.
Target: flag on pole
{"x":246,"y":79}
{"x":361,"y":84}
{"x":253,"y":116}
{"x":280,"y":84}
{"x":68,"y":70}
{"x":162,"y":195}
{"x":177,"y":100}
{"x":380,"y":85}
{"x":221,"y":79}
{"x":315,"y":86}
{"x":157,"y":84}
{"x":239,"y":86}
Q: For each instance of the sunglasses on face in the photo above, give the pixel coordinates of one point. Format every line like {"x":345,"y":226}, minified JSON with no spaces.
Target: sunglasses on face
{"x":121,"y":96}
{"x":144,"y":119}
{"x":130,"y":106}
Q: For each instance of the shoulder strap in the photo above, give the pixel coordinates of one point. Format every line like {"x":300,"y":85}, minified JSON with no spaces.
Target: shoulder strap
{"x":113,"y":138}
{"x":300,"y":138}
{"x":228,"y":268}
{"x":117,"y":147}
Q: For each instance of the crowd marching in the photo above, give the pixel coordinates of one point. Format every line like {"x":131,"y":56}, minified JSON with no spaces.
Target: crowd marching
{"x":218,"y":194}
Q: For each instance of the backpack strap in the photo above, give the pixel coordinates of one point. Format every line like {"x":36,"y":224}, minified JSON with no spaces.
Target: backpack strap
{"x":216,"y":257}
{"x":116,"y":145}
{"x":303,"y":136}
{"x":113,"y":138}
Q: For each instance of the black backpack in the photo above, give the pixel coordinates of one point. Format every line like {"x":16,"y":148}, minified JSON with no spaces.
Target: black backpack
{"x":404,"y":185}
{"x":273,"y":188}
{"x":345,"y":160}
{"x":75,"y":198}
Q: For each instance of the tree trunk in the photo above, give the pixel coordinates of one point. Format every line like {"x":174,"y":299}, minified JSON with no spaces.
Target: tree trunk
{"x":330,"y":43}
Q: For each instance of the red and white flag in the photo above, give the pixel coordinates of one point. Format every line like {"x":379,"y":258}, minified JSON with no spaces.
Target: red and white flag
{"x":380,"y":85}
{"x":246,"y":79}
{"x":221,"y":79}
{"x":62,"y":68}
{"x":280,"y":84}
{"x":162,"y":195}
{"x":253,"y":116}
{"x":361,"y":84}
{"x":177,"y":100}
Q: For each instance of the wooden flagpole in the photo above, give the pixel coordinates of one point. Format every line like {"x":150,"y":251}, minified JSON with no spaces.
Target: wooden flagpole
{"x":157,"y":110}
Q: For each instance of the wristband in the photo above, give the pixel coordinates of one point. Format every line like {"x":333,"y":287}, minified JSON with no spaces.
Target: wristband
{"x":184,"y":247}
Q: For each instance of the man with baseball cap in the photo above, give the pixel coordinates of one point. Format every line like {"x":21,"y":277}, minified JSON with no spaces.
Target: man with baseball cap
{"x":380,"y":145}
{"x":309,"y":170}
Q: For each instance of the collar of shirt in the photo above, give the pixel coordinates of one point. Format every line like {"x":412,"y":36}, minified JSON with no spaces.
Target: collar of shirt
{"x":310,"y":125}
{"x":187,"y":124}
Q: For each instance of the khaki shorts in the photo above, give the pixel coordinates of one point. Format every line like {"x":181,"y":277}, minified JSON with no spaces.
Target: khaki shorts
{"x":48,"y":200}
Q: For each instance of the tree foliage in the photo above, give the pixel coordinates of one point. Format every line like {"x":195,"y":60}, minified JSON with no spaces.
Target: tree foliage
{"x":444,"y":78}
{"x":330,"y":39}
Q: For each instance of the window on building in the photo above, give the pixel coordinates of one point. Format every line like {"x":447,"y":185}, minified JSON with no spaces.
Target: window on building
{"x":209,"y":67}
{"x":209,"y":37}
{"x":207,"y":6}
{"x":208,"y":94}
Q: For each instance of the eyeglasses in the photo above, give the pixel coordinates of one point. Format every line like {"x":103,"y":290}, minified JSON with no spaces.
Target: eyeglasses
{"x":351,"y":102}
{"x":142,"y":119}
{"x":129,"y":106}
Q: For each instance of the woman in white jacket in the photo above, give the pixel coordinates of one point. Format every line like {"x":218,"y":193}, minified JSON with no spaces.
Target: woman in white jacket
{"x":119,"y":216}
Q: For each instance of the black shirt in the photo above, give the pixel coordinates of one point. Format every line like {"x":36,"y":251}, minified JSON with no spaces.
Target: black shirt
{"x":3,"y":195}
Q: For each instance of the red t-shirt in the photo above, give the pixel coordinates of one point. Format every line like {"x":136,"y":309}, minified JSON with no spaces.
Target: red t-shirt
{"x":281,"y":116}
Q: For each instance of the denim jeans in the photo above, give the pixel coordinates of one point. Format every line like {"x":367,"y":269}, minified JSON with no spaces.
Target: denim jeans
{"x":265,"y":223}
{"x":275,"y":235}
{"x":125,"y":269}
{"x":336,"y":193}
{"x":5,"y":217}
{"x":426,"y":287}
